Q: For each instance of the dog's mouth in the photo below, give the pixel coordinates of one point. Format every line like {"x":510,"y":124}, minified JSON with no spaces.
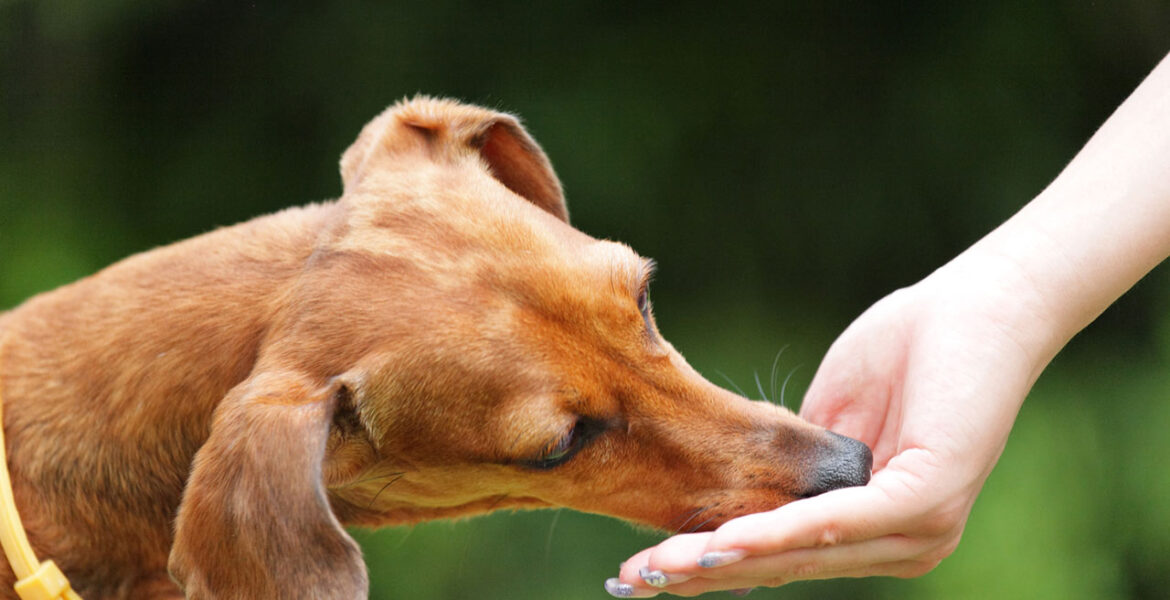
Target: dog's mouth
{"x":840,"y":463}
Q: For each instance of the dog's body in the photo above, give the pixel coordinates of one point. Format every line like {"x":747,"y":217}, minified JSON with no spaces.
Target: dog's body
{"x":437,"y":343}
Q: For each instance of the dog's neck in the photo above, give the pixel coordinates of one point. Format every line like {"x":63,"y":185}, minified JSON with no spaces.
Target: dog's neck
{"x":78,"y":372}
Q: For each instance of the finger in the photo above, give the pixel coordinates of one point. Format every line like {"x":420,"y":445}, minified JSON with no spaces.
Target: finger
{"x":834,"y":518}
{"x":667,"y":566}
{"x":814,"y":563}
{"x":679,"y":554}
{"x":668,"y":562}
{"x":701,"y":585}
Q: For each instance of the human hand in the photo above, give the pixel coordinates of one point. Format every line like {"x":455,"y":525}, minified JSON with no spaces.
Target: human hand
{"x":931,"y":379}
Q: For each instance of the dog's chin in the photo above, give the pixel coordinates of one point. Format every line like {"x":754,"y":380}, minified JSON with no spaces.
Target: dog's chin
{"x":705,"y":513}
{"x":410,"y":514}
{"x":734,"y":504}
{"x":710,"y":517}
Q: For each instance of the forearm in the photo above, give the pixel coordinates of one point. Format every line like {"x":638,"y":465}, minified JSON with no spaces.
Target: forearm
{"x":1093,"y":233}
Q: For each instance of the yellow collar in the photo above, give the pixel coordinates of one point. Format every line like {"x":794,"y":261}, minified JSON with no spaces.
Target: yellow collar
{"x":35,"y":580}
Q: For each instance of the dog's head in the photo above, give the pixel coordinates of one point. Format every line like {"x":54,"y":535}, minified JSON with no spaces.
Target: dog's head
{"x":454,"y":346}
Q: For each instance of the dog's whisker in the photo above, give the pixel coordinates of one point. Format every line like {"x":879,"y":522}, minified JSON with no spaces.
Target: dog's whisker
{"x":759,"y":386}
{"x":695,"y":513}
{"x":388,"y":483}
{"x":785,"y":385}
{"x":700,"y":525}
{"x":497,"y":501}
{"x":731,"y":383}
{"x":466,"y":547}
{"x":372,"y":478}
{"x":402,"y":542}
{"x":685,"y":519}
{"x":549,"y":538}
{"x":776,"y":363}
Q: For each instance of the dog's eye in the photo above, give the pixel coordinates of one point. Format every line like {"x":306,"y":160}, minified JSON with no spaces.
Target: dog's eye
{"x":564,"y":449}
{"x":561,"y":451}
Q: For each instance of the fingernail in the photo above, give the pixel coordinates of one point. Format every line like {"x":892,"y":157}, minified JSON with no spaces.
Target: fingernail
{"x":721,"y":558}
{"x":617,"y":589}
{"x":742,"y":593}
{"x":655,"y":578}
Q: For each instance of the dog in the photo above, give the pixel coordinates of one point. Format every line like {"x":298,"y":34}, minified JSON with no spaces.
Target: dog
{"x":201,"y":420}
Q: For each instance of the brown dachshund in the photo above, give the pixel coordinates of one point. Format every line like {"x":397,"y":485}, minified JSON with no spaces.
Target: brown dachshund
{"x":205,"y":417}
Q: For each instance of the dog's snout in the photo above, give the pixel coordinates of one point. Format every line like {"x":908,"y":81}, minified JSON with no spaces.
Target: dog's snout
{"x":842,"y":462}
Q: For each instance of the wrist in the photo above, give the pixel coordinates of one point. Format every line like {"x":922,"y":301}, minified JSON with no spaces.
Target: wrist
{"x":989,"y":287}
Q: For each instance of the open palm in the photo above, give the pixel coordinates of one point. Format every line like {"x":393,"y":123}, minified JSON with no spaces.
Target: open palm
{"x":931,"y":382}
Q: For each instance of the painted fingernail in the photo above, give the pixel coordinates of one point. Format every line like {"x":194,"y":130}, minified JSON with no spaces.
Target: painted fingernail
{"x":617,"y":589}
{"x":742,"y":593}
{"x":721,"y":558}
{"x":655,"y":578}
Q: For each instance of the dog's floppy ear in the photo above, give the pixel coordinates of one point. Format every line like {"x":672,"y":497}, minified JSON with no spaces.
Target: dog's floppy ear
{"x":446,"y":129}
{"x":255,"y":521}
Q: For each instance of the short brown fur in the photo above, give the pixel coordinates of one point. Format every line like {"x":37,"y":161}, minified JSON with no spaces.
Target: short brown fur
{"x":217,"y":409}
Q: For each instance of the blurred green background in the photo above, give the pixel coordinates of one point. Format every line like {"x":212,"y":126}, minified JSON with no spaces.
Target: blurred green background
{"x":787,"y":165}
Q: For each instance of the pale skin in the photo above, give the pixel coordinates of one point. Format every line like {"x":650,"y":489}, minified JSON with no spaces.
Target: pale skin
{"x":931,"y":377}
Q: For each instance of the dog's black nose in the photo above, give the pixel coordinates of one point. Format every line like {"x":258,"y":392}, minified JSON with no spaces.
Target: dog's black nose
{"x":844,"y":462}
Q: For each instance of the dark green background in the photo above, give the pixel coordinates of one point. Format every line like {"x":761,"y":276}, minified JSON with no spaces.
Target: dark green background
{"x":787,"y":166}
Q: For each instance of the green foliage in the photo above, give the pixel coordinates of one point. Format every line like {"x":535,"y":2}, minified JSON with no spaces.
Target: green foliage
{"x":787,"y":166}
